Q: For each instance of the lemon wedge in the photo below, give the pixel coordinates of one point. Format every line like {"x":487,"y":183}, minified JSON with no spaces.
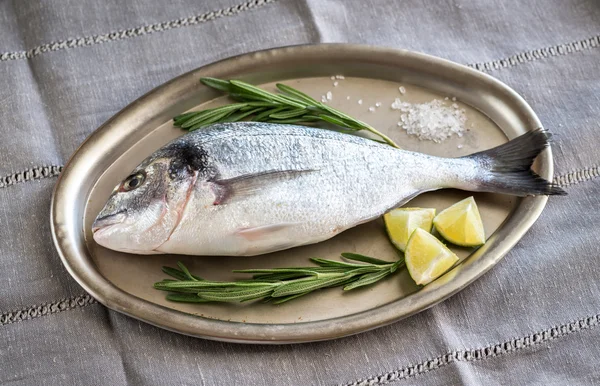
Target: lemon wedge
{"x":461,"y":224}
{"x":427,"y":257}
{"x":401,"y":223}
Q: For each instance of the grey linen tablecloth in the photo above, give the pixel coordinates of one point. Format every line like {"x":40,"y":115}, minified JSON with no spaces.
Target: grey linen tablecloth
{"x":67,"y":66}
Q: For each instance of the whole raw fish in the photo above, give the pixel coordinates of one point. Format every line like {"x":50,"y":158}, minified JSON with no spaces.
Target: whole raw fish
{"x":251,"y":188}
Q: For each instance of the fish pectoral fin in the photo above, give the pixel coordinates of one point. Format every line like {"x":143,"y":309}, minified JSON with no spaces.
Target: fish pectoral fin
{"x":263,"y":231}
{"x":245,"y":185}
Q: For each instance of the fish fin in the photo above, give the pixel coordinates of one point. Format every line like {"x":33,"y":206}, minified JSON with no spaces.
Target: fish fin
{"x":508,"y":167}
{"x":263,"y":231}
{"x":245,"y":185}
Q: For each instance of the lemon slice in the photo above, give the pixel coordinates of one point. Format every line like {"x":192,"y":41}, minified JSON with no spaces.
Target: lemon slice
{"x":461,"y":224}
{"x":427,"y":257}
{"x":401,"y":223}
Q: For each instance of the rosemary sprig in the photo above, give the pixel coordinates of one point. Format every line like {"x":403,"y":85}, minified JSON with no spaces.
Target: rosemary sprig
{"x":278,"y":285}
{"x":290,"y":106}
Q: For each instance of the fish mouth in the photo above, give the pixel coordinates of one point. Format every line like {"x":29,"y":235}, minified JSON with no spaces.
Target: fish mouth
{"x":109,"y":220}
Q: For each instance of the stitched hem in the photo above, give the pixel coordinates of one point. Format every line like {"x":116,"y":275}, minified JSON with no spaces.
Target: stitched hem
{"x":46,"y":309}
{"x":133,"y":32}
{"x":489,"y":351}
{"x":533,"y":55}
{"x":36,"y":173}
{"x":577,"y":176}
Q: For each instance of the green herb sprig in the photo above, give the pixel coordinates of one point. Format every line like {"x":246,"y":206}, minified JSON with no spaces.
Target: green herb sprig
{"x":289,"y":107}
{"x":277,"y":285}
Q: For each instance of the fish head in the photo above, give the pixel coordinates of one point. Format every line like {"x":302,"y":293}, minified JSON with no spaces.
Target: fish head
{"x":145,"y":208}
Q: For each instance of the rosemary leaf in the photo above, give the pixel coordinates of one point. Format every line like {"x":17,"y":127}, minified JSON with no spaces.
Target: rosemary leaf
{"x":301,"y":271}
{"x":253,"y":90}
{"x":217,"y":84}
{"x":213,"y":119}
{"x":293,"y":101}
{"x":195,"y":284}
{"x":334,"y":120}
{"x":186,"y":298}
{"x":291,"y":120}
{"x":177,"y":274}
{"x":185,"y":271}
{"x":365,"y":259}
{"x":363,"y":270}
{"x":249,"y":294}
{"x":299,"y":287}
{"x":243,"y":96}
{"x":343,"y":116}
{"x":202,"y":116}
{"x":397,"y":265}
{"x":252,"y":283}
{"x":290,"y":297}
{"x":279,"y":276}
{"x":266,"y":113}
{"x":264,"y":104}
{"x":334,"y":263}
{"x":241,"y":115}
{"x":185,"y":116}
{"x":160,"y":287}
{"x":367,"y":279}
{"x":298,"y":94}
{"x":305,"y":271}
{"x":288,"y":114}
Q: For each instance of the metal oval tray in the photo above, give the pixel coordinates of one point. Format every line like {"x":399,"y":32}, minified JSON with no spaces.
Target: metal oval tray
{"x":123,"y":282}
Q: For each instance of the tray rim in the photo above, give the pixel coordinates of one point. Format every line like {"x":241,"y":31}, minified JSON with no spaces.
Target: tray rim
{"x":82,"y":268}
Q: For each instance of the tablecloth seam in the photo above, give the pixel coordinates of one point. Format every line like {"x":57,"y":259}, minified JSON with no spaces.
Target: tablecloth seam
{"x":31,"y":174}
{"x":485,"y":352}
{"x":577,"y":176}
{"x":137,"y":31}
{"x":537,"y":54}
{"x":36,"y":311}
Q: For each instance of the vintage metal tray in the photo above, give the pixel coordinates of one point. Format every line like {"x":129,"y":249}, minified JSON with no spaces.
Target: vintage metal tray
{"x":123,"y":282}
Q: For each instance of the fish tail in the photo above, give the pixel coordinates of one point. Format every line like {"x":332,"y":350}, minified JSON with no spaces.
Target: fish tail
{"x":507,"y":168}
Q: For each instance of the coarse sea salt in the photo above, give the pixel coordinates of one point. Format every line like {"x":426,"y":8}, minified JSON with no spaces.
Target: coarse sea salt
{"x":329,"y":95}
{"x":432,"y":121}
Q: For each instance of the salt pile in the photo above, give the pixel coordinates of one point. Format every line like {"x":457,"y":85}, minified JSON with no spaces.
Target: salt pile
{"x":432,"y":121}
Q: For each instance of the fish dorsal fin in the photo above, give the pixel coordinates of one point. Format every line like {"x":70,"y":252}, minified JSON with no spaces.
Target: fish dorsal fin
{"x":245,"y":185}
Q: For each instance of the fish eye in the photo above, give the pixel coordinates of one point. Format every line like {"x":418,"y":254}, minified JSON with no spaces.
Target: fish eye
{"x":133,"y":181}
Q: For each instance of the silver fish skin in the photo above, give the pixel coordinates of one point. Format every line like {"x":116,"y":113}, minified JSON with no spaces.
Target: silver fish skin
{"x":248,"y":188}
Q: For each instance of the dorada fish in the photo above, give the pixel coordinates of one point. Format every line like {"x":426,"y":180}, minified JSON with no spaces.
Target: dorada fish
{"x":252,"y":188}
